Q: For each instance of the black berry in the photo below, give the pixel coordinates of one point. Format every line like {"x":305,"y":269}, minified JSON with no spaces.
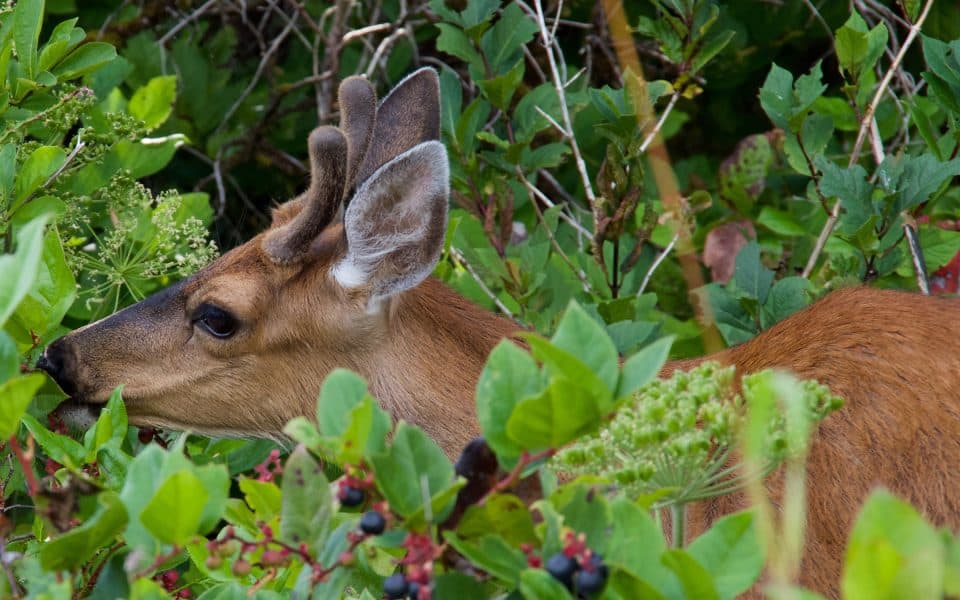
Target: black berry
{"x":414,"y":590}
{"x":596,"y":563}
{"x":395,"y":586}
{"x":562,"y":568}
{"x":590,"y":582}
{"x":351,"y":496}
{"x":372,"y":523}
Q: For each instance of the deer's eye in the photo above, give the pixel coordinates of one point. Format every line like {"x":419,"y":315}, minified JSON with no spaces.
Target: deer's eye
{"x":216,"y":321}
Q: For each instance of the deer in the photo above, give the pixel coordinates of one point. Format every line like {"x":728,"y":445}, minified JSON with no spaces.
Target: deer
{"x":342,"y":278}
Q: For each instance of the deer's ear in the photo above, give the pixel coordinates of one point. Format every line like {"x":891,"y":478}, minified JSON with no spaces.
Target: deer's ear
{"x":395,"y":223}
{"x":409,"y":115}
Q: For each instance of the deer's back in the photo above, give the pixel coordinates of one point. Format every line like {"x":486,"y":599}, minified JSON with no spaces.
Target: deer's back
{"x":894,"y":358}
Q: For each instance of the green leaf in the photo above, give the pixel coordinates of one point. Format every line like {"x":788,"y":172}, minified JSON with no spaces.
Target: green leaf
{"x":15,"y":396}
{"x":8,"y":170}
{"x":85,"y":59}
{"x":52,"y":293}
{"x":857,"y":48}
{"x":709,"y":49}
{"x":502,"y":514}
{"x":64,"y":38}
{"x":561,"y":413}
{"x":60,"y":448}
{"x":173,"y":514}
{"x":509,"y":376}
{"x":27,"y":19}
{"x":696,"y":580}
{"x":111,"y":425}
{"x":73,"y":549}
{"x":731,"y":553}
{"x":582,"y":336}
{"x":734,"y":323}
{"x":939,"y":246}
{"x":537,"y":584}
{"x":457,"y":585}
{"x":559,"y":362}
{"x":503,"y":43}
{"x":892,"y":553}
{"x":9,"y":358}
{"x":454,"y":42}
{"x":816,"y":132}
{"x":776,"y":96}
{"x":749,"y":274}
{"x":153,"y":102}
{"x":341,"y":391}
{"x":642,"y":367}
{"x":780,"y":222}
{"x":491,"y":554}
{"x":636,"y":543}
{"x":36,"y":169}
{"x":413,"y":470}
{"x":914,"y":179}
{"x":263,"y":497}
{"x":499,"y":90}
{"x":850,"y":186}
{"x":786,"y":297}
{"x":306,"y":506}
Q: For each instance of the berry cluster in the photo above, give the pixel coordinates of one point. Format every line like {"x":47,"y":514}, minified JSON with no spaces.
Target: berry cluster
{"x":577,"y":567}
{"x":169,"y":579}
{"x":275,"y":553}
{"x":269,"y":468}
{"x":354,"y":487}
{"x":418,"y":562}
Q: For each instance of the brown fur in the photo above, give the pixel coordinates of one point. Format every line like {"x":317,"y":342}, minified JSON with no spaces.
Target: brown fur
{"x":893,"y":357}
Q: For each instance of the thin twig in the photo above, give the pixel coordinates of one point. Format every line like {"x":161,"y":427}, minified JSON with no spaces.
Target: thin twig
{"x":656,"y":263}
{"x":384,"y":45}
{"x":184,"y":22}
{"x":916,"y":254}
{"x":460,"y":258}
{"x":652,"y":134}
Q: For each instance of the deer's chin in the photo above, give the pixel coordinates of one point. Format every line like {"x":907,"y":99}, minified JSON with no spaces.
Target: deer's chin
{"x":77,"y":414}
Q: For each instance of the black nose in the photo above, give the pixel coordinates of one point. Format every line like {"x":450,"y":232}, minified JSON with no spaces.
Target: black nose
{"x":52,"y":362}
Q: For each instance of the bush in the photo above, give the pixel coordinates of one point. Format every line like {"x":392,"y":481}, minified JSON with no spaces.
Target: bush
{"x":566,"y":216}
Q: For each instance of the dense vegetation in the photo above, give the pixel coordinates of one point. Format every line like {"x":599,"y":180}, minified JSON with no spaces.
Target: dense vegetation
{"x":811,"y":147}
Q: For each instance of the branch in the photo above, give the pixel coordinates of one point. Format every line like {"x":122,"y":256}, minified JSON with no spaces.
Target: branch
{"x":866,"y":124}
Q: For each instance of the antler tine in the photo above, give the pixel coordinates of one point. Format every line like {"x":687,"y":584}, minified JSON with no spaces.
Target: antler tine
{"x":328,"y":174}
{"x":358,"y":115}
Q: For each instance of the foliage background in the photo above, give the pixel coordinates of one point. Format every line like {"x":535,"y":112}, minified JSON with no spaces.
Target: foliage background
{"x":226,"y":93}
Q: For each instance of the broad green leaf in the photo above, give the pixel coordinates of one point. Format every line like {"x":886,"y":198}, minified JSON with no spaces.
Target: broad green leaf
{"x":27,"y":19}
{"x":780,"y":222}
{"x":712,"y":47}
{"x":749,"y":274}
{"x":15,"y":396}
{"x":502,"y":514}
{"x":153,"y":102}
{"x":563,"y":363}
{"x":850,"y":186}
{"x":503,"y":43}
{"x":8,"y":169}
{"x":563,"y":412}
{"x":491,"y":554}
{"x":696,"y":580}
{"x":64,"y":38}
{"x":776,"y":96}
{"x":537,"y":584}
{"x":306,"y":506}
{"x":892,"y":553}
{"x":499,"y":90}
{"x":85,"y":59}
{"x":914,"y":179}
{"x":453,"y":41}
{"x":263,"y":497}
{"x":858,"y":48}
{"x":636,"y":543}
{"x":52,"y":292}
{"x":456,"y":585}
{"x":111,"y":425}
{"x":786,"y":297}
{"x":509,"y":376}
{"x":585,"y":338}
{"x":734,"y":323}
{"x":73,"y":549}
{"x":939,"y":246}
{"x":731,"y":553}
{"x":341,"y":391}
{"x":815,"y":133}
{"x":642,"y":367}
{"x":412,"y":471}
{"x":36,"y":169}
{"x":60,"y":448}
{"x":9,"y":358}
{"x":173,"y":514}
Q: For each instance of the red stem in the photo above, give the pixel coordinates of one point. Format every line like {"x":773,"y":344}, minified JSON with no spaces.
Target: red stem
{"x":28,"y":475}
{"x":525,"y":459}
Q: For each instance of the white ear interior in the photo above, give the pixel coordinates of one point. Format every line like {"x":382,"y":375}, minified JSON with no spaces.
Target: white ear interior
{"x":395,"y":223}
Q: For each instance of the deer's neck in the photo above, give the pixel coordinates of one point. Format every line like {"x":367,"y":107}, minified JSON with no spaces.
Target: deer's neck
{"x":427,"y":368}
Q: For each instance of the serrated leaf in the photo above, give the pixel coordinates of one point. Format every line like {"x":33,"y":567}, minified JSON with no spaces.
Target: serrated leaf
{"x":749,"y":274}
{"x":786,"y":297}
{"x":502,"y":44}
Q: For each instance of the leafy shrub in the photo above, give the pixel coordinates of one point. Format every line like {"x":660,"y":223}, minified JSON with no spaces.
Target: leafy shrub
{"x":563,"y":218}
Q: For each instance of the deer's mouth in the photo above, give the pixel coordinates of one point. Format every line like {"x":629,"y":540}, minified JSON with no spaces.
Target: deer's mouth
{"x":77,"y":414}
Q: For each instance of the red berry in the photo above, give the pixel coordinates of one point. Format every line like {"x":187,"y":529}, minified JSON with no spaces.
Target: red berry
{"x":240,"y":567}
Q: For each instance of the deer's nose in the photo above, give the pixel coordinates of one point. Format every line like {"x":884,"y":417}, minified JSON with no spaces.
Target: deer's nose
{"x":51,"y":361}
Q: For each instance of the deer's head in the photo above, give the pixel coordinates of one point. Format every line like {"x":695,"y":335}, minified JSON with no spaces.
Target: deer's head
{"x":240,"y":347}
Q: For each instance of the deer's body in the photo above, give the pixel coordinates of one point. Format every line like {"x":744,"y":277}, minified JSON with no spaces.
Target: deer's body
{"x":243,"y":346}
